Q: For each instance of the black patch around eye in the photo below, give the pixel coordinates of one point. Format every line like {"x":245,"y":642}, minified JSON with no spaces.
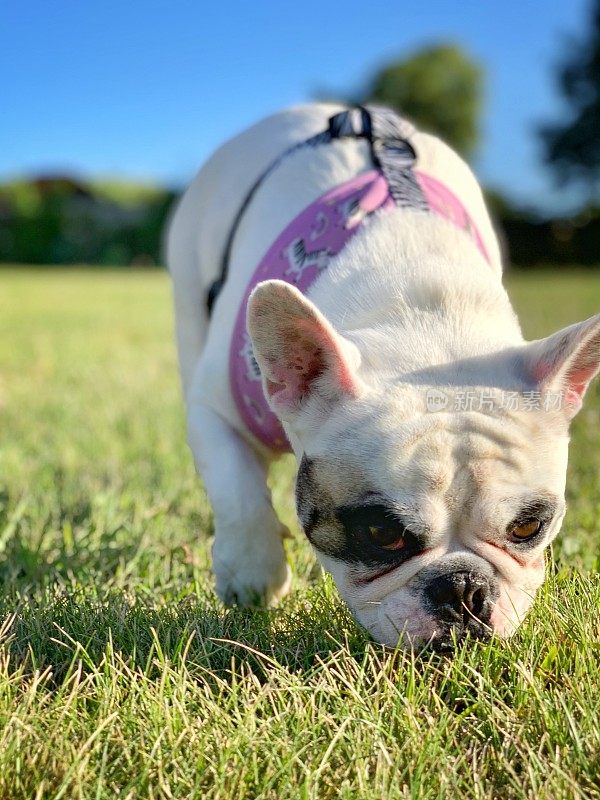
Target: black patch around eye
{"x":342,"y":532}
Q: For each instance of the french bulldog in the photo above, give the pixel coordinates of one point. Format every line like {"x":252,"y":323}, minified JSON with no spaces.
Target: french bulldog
{"x":431,"y":438}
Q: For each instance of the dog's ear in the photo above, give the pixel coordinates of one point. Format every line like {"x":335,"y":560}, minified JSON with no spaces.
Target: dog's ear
{"x":566,"y":362}
{"x":300,"y":355}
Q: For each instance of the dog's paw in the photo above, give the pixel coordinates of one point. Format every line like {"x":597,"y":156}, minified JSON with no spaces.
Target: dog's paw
{"x":251,"y":573}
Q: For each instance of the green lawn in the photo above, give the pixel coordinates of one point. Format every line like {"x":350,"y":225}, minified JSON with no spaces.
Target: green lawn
{"x":121,"y":675}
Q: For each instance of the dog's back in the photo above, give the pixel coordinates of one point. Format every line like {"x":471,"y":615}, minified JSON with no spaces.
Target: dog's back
{"x":202,"y":222}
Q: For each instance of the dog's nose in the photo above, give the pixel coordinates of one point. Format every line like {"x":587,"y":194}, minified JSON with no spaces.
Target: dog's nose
{"x":464,"y":597}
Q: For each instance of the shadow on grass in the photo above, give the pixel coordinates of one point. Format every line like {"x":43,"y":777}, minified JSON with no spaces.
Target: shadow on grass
{"x":63,"y":625}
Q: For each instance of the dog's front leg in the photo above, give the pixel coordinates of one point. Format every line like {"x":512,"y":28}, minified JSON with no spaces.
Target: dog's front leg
{"x":248,"y":555}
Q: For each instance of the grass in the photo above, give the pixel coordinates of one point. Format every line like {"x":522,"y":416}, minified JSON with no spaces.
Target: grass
{"x":122,"y":676}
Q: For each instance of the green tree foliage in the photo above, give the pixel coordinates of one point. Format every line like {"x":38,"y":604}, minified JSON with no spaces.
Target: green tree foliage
{"x":572,"y":146}
{"x":439,"y":88}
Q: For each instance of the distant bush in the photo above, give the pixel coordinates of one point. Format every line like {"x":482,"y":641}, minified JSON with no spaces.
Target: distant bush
{"x":58,"y":220}
{"x":530,"y":239}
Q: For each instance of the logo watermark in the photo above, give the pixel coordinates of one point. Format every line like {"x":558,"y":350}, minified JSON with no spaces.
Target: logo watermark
{"x":437,"y":400}
{"x":488,"y":400}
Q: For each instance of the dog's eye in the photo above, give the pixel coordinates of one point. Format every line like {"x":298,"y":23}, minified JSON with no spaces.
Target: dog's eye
{"x":523,"y":530}
{"x":391,"y":537}
{"x":377,"y":524}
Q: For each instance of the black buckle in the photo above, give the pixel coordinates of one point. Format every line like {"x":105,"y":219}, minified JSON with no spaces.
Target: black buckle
{"x":354,"y":122}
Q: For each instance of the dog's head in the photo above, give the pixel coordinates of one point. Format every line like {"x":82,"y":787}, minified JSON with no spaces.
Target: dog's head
{"x":430,"y":503}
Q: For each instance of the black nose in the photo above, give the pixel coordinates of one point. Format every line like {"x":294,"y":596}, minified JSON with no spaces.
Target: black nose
{"x":461,"y":597}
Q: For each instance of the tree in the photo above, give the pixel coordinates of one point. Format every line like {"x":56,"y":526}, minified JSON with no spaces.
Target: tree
{"x":439,"y":88}
{"x":572,"y":147}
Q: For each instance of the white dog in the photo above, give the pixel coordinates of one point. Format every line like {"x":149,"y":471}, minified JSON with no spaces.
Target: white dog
{"x":431,"y":438}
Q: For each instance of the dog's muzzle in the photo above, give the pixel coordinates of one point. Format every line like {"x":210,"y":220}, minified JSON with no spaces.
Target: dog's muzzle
{"x":461,"y":601}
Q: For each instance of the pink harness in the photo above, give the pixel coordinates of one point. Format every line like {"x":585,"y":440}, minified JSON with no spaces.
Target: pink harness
{"x":299,"y":255}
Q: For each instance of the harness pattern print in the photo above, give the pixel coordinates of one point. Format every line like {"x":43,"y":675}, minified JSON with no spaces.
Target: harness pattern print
{"x":299,"y":258}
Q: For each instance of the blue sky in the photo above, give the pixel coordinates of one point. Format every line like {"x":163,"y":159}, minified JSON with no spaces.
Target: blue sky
{"x":146,"y":90}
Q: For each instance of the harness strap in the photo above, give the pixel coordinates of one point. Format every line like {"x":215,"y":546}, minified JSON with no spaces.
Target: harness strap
{"x":395,"y":157}
{"x":391,"y":152}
